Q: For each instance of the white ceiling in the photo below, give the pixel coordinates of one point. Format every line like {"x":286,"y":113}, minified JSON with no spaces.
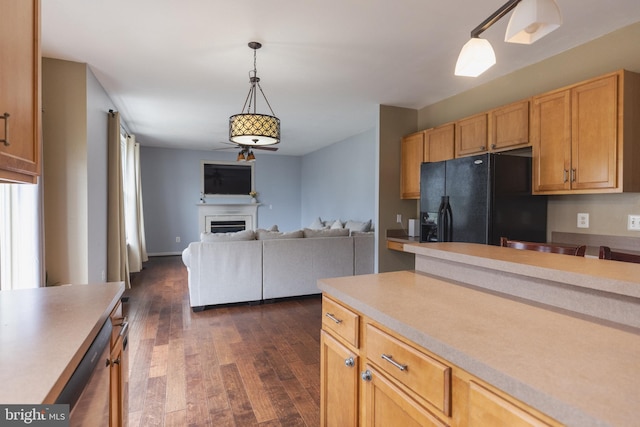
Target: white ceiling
{"x":176,"y":70}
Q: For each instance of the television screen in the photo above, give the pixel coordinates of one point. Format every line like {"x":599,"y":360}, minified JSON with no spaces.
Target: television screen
{"x":227,"y":178}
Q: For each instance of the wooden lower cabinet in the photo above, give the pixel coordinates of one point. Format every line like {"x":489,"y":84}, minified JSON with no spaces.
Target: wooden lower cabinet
{"x":339,"y":383}
{"x":119,"y":370}
{"x":410,"y":386}
{"x":385,"y":404}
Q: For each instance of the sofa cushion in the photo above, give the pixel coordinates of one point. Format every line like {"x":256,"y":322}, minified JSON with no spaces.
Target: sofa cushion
{"x":228,"y":237}
{"x":336,"y":232}
{"x":266,"y":235}
{"x":358,"y":226}
{"x":317,"y":224}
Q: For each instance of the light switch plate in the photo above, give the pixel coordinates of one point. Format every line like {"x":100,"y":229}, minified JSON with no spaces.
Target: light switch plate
{"x":633,"y":223}
{"x":583,"y":220}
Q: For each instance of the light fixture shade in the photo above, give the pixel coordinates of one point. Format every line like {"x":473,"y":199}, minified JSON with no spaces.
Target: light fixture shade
{"x":240,"y":157}
{"x":532,"y":20}
{"x":251,"y":157}
{"x":475,"y":58}
{"x":254,"y":129}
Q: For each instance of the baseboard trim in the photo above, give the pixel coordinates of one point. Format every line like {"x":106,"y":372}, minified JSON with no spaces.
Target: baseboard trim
{"x":164,"y":254}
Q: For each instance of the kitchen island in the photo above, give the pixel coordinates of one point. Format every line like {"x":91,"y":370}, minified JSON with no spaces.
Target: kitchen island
{"x":44,"y":333}
{"x":554,"y":338}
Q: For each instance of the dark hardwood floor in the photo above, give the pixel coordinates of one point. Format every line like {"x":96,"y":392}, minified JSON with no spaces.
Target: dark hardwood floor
{"x":235,"y":365}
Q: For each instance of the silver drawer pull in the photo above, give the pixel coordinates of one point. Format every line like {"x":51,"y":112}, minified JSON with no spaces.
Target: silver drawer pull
{"x":332,"y":317}
{"x":5,"y":116}
{"x":389,"y":359}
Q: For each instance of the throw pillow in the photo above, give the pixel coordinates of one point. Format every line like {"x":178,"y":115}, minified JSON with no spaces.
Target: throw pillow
{"x":266,"y":235}
{"x":228,"y":237}
{"x":336,"y":224}
{"x":358,"y":226}
{"x":317,"y":224}
{"x":308,"y":233}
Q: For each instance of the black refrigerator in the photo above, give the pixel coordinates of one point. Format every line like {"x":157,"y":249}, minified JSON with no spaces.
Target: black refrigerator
{"x":480,"y":198}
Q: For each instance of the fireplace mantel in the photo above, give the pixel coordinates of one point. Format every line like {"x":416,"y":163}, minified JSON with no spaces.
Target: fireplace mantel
{"x":247,"y":212}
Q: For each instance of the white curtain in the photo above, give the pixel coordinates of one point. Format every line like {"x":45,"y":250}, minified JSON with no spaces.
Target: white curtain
{"x":117,"y":260}
{"x":21,"y":241}
{"x":133,"y":218}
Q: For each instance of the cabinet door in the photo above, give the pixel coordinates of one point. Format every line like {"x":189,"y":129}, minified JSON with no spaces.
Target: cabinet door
{"x":339,"y":383}
{"x":471,"y":135}
{"x":387,"y":405}
{"x":594,"y":134}
{"x":116,"y":394}
{"x":509,"y":126}
{"x":551,"y":141}
{"x":439,"y":143}
{"x":19,"y":90}
{"x":412,"y":153}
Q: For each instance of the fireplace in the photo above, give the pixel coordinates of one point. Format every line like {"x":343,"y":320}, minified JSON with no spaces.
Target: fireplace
{"x":226,"y":226}
{"x":226,"y":218}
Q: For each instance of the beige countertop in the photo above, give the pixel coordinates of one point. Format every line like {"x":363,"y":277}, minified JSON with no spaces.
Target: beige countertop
{"x":44,"y":333}
{"x":622,"y":278}
{"x":576,"y":369}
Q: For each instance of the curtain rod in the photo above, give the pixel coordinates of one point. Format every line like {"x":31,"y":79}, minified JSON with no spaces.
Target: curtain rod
{"x":123,"y":128}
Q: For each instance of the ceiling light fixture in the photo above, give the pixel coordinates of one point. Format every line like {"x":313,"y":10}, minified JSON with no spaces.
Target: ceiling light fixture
{"x":531,"y":20}
{"x":246,"y":155}
{"x":251,"y":128}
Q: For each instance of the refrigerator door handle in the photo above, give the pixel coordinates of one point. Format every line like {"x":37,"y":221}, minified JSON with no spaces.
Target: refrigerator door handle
{"x":445,"y":219}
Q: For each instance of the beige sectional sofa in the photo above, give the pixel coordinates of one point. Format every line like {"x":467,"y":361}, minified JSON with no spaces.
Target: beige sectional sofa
{"x":272,"y":265}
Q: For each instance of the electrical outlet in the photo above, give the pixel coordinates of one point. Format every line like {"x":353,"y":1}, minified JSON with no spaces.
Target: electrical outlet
{"x":583,"y":220}
{"x":633,"y":222}
{"x":178,"y":239}
{"x":399,"y":218}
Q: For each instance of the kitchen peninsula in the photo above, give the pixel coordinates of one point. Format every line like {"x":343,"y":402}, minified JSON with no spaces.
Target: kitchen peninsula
{"x":45,"y":332}
{"x":505,"y":337}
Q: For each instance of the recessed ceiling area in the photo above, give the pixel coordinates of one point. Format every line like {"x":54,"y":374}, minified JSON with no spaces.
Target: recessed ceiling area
{"x":176,"y":71}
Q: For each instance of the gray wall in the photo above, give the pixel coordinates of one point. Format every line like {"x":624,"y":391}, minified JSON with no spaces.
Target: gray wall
{"x":393,"y":123}
{"x":74,"y":133}
{"x":338,"y":182}
{"x":171,"y":191}
{"x":98,"y":106}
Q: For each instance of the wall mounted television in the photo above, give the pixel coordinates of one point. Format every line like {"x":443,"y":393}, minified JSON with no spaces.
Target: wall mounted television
{"x":226,"y":178}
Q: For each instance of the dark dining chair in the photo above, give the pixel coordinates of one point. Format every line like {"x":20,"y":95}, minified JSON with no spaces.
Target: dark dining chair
{"x":577,"y":250}
{"x":607,"y":253}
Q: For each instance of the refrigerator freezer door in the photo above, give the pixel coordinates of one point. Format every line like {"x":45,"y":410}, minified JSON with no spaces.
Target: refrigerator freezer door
{"x":432,"y":176}
{"x":467,"y":185}
{"x":516,"y":214}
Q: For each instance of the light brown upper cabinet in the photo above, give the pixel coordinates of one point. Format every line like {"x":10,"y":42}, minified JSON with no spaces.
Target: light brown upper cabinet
{"x":20,"y":91}
{"x":439,"y":143}
{"x":411,"y":155}
{"x":585,"y":137}
{"x":509,"y":126}
{"x":431,"y":145}
{"x":471,"y":135}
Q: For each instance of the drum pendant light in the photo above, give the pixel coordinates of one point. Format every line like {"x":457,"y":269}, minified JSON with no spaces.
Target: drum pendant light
{"x":250,"y":128}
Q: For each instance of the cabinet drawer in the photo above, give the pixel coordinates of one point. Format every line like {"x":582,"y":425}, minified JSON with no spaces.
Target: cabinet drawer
{"x":395,"y":246}
{"x":426,"y":377}
{"x":340,"y":320}
{"x":488,"y":409}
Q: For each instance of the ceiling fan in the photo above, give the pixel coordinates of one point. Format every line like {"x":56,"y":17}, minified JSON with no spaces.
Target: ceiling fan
{"x":246,"y":151}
